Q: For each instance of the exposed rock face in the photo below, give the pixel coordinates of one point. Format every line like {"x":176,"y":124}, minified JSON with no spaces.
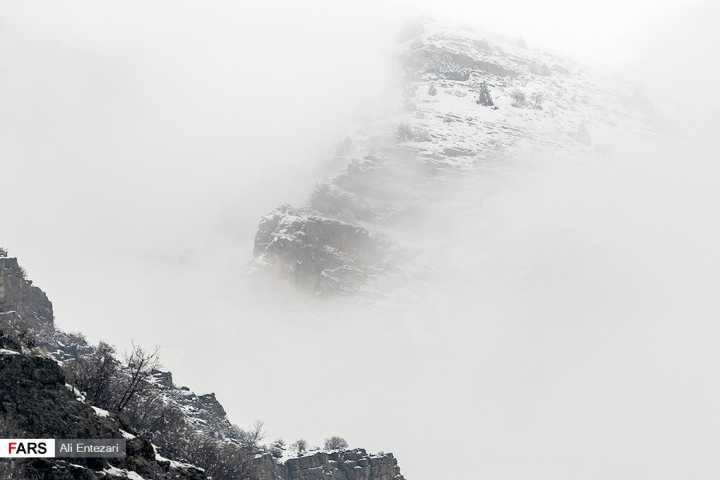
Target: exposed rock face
{"x":355,"y":464}
{"x":203,"y":412}
{"x":33,"y":394}
{"x":27,"y":307}
{"x":163,"y":378}
{"x":451,"y":64}
{"x":315,"y":251}
{"x":20,"y":301}
{"x":470,"y":101}
{"x":36,"y":402}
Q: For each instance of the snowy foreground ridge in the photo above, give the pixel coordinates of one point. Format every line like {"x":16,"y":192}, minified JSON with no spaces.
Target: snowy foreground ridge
{"x":470,"y":102}
{"x":37,"y":401}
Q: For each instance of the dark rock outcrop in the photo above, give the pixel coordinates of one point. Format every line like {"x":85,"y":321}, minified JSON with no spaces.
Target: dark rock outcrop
{"x":354,"y":464}
{"x":20,"y":301}
{"x":317,"y":252}
{"x":36,"y":402}
{"x":28,"y":322}
{"x":445,"y":63}
{"x":34,"y":395}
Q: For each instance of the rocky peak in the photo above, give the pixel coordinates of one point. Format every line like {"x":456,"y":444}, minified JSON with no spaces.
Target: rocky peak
{"x":471,"y":101}
{"x":21,"y":303}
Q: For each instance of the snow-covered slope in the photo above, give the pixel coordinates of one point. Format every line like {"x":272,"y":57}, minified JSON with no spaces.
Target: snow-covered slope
{"x":470,"y":100}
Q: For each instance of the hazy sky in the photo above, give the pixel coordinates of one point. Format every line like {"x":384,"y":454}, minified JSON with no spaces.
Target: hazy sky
{"x":584,"y":28}
{"x":569,"y":333}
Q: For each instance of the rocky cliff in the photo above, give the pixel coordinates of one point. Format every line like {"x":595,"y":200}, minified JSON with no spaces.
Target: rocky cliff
{"x":355,"y":464}
{"x":20,"y":301}
{"x":38,"y":400}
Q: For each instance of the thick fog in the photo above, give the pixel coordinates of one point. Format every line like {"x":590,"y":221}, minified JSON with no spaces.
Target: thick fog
{"x":562,"y":320}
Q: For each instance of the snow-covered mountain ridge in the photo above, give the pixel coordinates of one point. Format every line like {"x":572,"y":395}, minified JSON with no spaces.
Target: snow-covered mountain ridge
{"x":470,"y":101}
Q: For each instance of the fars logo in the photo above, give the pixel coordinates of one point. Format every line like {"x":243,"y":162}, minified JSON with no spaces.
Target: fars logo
{"x":27,"y":448}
